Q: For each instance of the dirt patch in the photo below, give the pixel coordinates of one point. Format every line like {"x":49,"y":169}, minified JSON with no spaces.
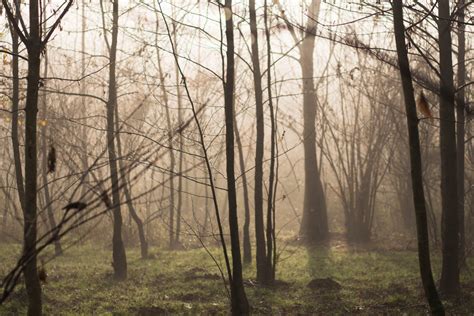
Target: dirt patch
{"x":378,"y":293}
{"x":150,"y":311}
{"x":194,"y":297}
{"x":161,"y":280}
{"x":194,"y":271}
{"x":202,"y":274}
{"x":326,"y":284}
{"x":397,"y":288}
{"x":281,"y":284}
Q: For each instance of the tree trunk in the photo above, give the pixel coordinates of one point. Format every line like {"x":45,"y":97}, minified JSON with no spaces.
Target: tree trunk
{"x":15,"y":109}
{"x":240,"y":304}
{"x":270,"y":229}
{"x":4,"y":219}
{"x":262,"y":273}
{"x":461,"y":132}
{"x":44,"y":170}
{"x":32,"y":284}
{"x":314,"y":224}
{"x":449,"y":283}
{"x":179,"y":204}
{"x":358,"y":231}
{"x":127,"y":187}
{"x":170,"y":139}
{"x":141,"y":230}
{"x":429,"y":287}
{"x":84,"y":155}
{"x":119,"y":255}
{"x":247,"y":246}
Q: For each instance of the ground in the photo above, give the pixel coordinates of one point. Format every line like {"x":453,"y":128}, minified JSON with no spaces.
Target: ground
{"x":372,"y":282}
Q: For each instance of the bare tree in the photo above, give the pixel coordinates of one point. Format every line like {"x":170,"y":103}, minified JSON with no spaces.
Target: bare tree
{"x":429,"y":287}
{"x":262,"y":272}
{"x":461,"y":121}
{"x":314,"y":225}
{"x":449,"y":283}
{"x":35,"y":41}
{"x":119,"y":255}
{"x":240,"y":304}
{"x":47,"y":157}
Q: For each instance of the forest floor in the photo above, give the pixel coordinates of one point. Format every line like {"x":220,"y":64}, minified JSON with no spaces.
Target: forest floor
{"x":372,"y":282}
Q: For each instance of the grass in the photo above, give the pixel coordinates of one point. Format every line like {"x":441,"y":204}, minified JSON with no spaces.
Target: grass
{"x":372,"y":282}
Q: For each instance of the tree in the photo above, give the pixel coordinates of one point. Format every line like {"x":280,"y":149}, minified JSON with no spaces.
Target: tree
{"x":247,"y":246}
{"x":118,"y":249}
{"x":35,"y":41}
{"x":356,"y":149}
{"x":46,"y":157}
{"x":416,"y":165}
{"x":449,"y":283}
{"x":314,"y":224}
{"x":273,"y":175}
{"x":15,"y":109}
{"x":461,"y":120}
{"x":263,"y":274}
{"x":240,"y":304}
{"x":179,"y":205}
{"x":127,"y":189}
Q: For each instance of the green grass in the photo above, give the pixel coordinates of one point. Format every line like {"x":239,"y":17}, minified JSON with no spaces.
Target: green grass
{"x":187,"y":282}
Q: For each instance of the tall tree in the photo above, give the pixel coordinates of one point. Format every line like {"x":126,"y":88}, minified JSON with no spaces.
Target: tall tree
{"x":15,"y":106}
{"x":449,"y":283}
{"x":35,"y":42}
{"x":164,"y":95}
{"x":118,"y":249}
{"x":262,"y":272}
{"x":416,"y":165}
{"x":127,"y":190}
{"x":83,"y":87}
{"x":179,"y":204}
{"x":461,"y":119}
{"x":314,"y":224}
{"x":273,"y":174}
{"x":247,"y":246}
{"x":46,"y":157}
{"x":239,"y":302}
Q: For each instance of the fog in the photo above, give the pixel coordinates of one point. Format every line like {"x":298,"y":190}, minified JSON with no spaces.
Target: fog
{"x":216,"y":157}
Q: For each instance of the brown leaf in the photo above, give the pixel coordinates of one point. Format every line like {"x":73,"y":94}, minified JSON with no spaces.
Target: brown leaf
{"x":423,"y":106}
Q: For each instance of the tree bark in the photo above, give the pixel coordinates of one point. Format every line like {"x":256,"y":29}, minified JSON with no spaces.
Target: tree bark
{"x":314,"y":224}
{"x":44,"y":170}
{"x":15,"y":109}
{"x":32,"y":284}
{"x":170,"y":138}
{"x":461,"y":119}
{"x":262,"y":273}
{"x":119,"y":255}
{"x":179,"y":204}
{"x":247,"y":246}
{"x":424,"y":262}
{"x":449,"y":283}
{"x":127,"y":188}
{"x":270,"y":229}
{"x":239,"y":302}
{"x":84,"y":139}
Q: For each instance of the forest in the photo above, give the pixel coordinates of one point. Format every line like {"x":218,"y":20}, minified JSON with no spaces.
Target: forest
{"x":220,"y":157}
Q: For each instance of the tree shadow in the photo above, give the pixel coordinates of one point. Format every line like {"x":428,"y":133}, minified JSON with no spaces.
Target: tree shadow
{"x":319,"y":261}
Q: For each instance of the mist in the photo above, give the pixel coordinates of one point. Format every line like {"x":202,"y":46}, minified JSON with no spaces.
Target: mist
{"x":236,"y":157}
